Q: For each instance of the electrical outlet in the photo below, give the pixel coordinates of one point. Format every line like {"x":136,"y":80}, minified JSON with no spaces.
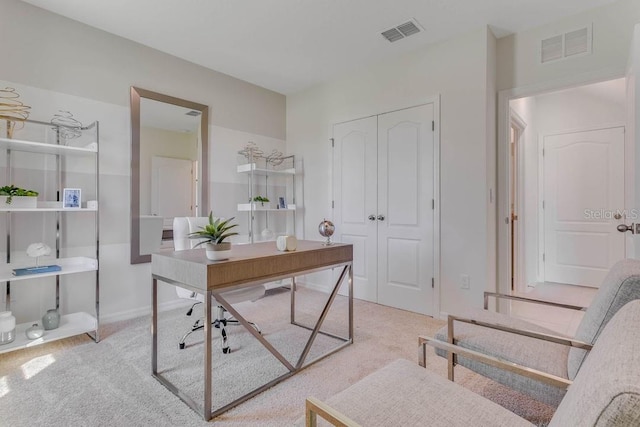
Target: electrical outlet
{"x":465,"y":281}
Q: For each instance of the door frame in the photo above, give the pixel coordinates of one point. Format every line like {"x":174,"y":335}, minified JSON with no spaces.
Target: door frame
{"x":503,"y":284}
{"x":515,"y":118}
{"x":435,"y":100}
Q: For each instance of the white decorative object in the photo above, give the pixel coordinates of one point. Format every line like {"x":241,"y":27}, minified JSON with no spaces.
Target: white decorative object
{"x":218,"y":252}
{"x":7,"y":327}
{"x":287,"y":243}
{"x":35,"y":331}
{"x":92,"y":204}
{"x":35,"y":250}
{"x":267,"y":234}
{"x":19,"y":202}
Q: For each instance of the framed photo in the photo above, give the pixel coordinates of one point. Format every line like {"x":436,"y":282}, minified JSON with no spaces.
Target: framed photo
{"x":282,"y":203}
{"x":71,"y":198}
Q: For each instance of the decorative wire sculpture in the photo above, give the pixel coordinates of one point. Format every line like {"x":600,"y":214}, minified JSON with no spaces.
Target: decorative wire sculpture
{"x":66,"y":125}
{"x":275,"y":158}
{"x":12,"y":110}
{"x":251,"y":151}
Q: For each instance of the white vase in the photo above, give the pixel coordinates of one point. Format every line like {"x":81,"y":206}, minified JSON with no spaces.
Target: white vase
{"x":7,"y":327}
{"x":219,"y":252}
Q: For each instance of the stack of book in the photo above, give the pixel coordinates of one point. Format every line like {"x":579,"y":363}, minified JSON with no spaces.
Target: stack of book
{"x":35,"y":270}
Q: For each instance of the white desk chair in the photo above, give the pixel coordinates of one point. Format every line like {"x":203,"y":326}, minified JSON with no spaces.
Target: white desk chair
{"x":182,"y":226}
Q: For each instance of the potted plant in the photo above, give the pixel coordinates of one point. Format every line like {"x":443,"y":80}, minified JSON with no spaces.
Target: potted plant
{"x":23,"y":198}
{"x":213,"y":236}
{"x":261,"y":199}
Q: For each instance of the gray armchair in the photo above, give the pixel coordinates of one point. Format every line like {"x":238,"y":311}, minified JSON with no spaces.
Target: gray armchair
{"x":605,"y":392}
{"x":553,"y":360}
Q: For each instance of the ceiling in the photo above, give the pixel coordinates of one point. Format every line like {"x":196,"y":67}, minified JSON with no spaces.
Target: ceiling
{"x":289,"y":45}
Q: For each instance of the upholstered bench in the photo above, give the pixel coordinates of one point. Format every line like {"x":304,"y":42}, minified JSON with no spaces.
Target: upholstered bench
{"x":606,"y":391}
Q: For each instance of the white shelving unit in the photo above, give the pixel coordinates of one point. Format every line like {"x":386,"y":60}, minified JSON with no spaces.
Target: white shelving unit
{"x":261,"y":172}
{"x":70,"y":323}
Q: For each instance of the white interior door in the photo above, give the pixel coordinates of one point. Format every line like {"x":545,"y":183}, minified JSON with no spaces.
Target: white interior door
{"x":172,"y":182}
{"x":405,"y":212}
{"x":583,"y":190}
{"x":355,"y":198}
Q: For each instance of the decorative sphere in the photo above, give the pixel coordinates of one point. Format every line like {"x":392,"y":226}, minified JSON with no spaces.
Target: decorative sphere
{"x":268,"y":234}
{"x":326,"y":228}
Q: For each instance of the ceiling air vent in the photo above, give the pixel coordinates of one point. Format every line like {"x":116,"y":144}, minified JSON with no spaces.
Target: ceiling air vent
{"x":572,"y":43}
{"x":401,"y":31}
{"x":193,"y":113}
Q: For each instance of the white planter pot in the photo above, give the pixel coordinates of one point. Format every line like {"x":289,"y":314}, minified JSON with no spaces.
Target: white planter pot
{"x":219,"y":252}
{"x":261,"y":206}
{"x":19,"y":202}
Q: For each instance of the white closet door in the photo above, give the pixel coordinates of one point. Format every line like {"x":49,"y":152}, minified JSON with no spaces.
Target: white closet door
{"x":405,"y":193}
{"x":355,"y":186}
{"x":583,"y":173}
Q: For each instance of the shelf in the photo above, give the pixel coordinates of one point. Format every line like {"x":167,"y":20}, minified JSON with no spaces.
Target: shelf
{"x":48,"y":209}
{"x":44,"y":148}
{"x":245,"y":207}
{"x":249,"y":167}
{"x":71,"y":265}
{"x":70,"y":325}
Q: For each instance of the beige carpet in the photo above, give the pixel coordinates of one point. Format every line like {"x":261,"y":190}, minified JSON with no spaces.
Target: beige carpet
{"x":76,"y":382}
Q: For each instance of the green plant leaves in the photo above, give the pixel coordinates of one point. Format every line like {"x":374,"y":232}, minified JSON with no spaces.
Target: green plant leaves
{"x":12,"y":190}
{"x":215,"y":232}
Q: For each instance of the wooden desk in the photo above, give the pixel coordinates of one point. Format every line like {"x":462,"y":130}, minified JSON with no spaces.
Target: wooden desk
{"x":249,"y":265}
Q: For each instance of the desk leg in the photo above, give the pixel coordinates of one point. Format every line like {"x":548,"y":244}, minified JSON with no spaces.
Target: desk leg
{"x":318,"y":325}
{"x":154,"y":327}
{"x":351,"y":302}
{"x":207,"y":356}
{"x":293,"y":300}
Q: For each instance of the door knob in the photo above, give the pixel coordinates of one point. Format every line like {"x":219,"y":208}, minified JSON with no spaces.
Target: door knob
{"x":617,"y":216}
{"x":623,"y":227}
{"x":372,"y":217}
{"x":380,"y":217}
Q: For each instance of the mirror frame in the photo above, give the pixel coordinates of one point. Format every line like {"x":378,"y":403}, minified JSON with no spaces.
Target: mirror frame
{"x":203,"y":157}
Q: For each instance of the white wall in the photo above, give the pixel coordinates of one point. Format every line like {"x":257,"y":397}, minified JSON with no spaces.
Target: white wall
{"x":587,"y":107}
{"x":520,"y":73}
{"x":458,"y":71}
{"x":519,"y":54}
{"x":52,"y":52}
{"x":491,"y":175}
{"x":56,"y":63}
{"x":591,"y":106}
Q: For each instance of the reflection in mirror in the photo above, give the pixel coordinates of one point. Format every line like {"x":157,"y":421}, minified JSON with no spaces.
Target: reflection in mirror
{"x":168,"y":159}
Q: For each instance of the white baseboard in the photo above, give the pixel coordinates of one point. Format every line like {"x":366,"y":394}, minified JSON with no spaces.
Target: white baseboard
{"x":312,"y":286}
{"x":143,"y":311}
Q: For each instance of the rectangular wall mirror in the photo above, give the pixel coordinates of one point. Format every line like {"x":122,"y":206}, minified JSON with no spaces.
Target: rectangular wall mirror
{"x":169,"y":141}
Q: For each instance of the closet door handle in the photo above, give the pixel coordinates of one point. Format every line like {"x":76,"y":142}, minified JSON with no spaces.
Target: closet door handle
{"x":372,"y":218}
{"x":380,"y":217}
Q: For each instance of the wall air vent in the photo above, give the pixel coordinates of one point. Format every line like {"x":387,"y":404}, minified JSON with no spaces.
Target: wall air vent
{"x":401,"y":31}
{"x":572,"y":43}
{"x":577,"y":42}
{"x":193,"y":113}
{"x":552,"y":48}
